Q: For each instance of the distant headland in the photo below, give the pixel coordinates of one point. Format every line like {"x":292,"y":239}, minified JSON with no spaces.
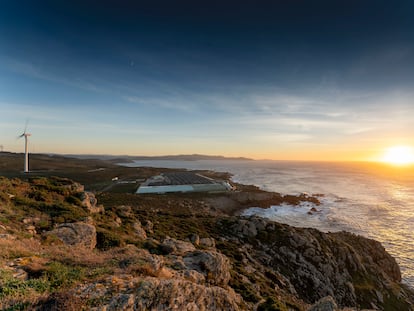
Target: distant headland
{"x":179,"y":157}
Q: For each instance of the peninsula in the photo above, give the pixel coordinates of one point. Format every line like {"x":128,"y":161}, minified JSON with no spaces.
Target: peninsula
{"x":72,"y":238}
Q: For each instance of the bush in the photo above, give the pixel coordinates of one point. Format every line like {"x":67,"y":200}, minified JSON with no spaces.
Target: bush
{"x":74,"y":200}
{"x":106,"y":240}
{"x":272,"y":305}
{"x":12,"y":287}
{"x":60,"y":275}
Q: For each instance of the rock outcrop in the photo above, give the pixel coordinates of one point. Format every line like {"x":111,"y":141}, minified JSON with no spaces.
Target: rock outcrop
{"x":325,"y":304}
{"x":161,"y":294}
{"x":90,"y":202}
{"x":149,"y":258}
{"x":177,"y":247}
{"x":76,"y":234}
{"x":139,"y":231}
{"x":214,"y":266}
{"x":351,"y":269}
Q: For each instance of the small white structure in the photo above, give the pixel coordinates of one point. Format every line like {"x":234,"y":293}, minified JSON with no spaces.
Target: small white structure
{"x":182,"y":182}
{"x":26,"y":150}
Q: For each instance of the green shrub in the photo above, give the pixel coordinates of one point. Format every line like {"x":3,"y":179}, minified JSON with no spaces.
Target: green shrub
{"x":74,"y":200}
{"x":272,"y":305}
{"x":10,"y":286}
{"x":60,"y":275}
{"x":106,"y":240}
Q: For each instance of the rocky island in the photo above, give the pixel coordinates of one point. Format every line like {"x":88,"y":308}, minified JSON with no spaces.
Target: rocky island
{"x":66,"y":248}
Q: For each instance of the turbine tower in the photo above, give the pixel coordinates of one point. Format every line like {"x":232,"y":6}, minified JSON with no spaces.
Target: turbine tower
{"x":26,"y":150}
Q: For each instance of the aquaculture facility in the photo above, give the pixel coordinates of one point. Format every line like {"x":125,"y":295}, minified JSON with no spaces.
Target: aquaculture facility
{"x":182,"y":182}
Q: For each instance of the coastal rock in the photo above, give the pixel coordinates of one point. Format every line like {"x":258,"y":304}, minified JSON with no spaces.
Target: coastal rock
{"x":162,"y":294}
{"x":124,"y":211}
{"x":191,"y":275}
{"x":76,"y":234}
{"x":30,"y":220}
{"x":176,"y":247}
{"x":250,"y":227}
{"x":215,"y":266}
{"x":139,"y":231}
{"x":117,"y":222}
{"x":68,"y":184}
{"x":375,"y":255}
{"x":90,"y":202}
{"x":246,"y":228}
{"x":31,"y":229}
{"x":195,"y":239}
{"x":149,"y":227}
{"x":207,"y":242}
{"x":20,"y":274}
{"x":319,"y":264}
{"x":271,"y":265}
{"x":325,"y":304}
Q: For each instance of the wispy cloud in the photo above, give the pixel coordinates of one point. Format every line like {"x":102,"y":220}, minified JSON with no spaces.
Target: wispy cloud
{"x":172,"y":104}
{"x":71,"y":78}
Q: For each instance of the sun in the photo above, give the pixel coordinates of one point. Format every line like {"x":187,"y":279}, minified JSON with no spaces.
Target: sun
{"x":399,"y":155}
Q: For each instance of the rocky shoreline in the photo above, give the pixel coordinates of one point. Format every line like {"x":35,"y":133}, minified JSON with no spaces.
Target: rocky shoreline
{"x":61,"y":250}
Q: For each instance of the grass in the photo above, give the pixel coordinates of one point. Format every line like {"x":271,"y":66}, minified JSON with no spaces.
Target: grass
{"x":52,"y":201}
{"x":26,"y":292}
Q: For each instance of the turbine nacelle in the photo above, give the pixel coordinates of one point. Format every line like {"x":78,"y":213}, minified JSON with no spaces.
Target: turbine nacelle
{"x":24,"y":135}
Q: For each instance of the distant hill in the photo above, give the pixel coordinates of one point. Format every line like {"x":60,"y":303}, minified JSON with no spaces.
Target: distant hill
{"x":191,"y":157}
{"x":181,"y":157}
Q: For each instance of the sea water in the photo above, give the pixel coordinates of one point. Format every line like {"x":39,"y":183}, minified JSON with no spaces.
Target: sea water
{"x":375,"y":201}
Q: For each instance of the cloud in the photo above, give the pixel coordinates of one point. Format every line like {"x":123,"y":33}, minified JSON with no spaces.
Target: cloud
{"x":173,"y":104}
{"x":43,"y":73}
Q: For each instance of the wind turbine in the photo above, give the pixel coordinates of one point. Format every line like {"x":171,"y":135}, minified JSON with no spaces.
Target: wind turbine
{"x":26,"y":149}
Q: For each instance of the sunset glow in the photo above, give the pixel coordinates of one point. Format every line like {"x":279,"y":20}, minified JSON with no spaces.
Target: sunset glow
{"x":399,"y":155}
{"x":267,"y":81}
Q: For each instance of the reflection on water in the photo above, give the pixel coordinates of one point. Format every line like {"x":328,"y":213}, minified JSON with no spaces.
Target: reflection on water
{"x":373,"y":200}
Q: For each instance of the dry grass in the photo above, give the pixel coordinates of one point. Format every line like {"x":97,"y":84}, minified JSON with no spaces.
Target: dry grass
{"x":11,"y":249}
{"x":75,"y":255}
{"x":61,"y":301}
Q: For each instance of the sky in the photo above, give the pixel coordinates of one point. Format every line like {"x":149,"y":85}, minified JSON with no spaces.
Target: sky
{"x":287,"y":80}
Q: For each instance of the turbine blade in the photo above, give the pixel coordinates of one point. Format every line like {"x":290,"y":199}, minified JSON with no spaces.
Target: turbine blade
{"x":25,"y":125}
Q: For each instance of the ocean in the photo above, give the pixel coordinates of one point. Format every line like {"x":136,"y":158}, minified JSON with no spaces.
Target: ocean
{"x":373,"y":200}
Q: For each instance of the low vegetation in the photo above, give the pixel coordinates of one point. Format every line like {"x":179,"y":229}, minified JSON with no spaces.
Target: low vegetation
{"x":38,"y":270}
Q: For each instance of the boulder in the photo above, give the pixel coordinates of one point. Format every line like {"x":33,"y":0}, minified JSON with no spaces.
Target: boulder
{"x":195,"y":239}
{"x":325,"y":304}
{"x":139,"y":231}
{"x":161,"y":294}
{"x":90,"y":202}
{"x":20,"y":274}
{"x":31,"y":229}
{"x":215,"y":266}
{"x":124,"y":211}
{"x":149,"y":227}
{"x":250,"y":227}
{"x":207,"y":242}
{"x":176,"y":247}
{"x":76,"y":234}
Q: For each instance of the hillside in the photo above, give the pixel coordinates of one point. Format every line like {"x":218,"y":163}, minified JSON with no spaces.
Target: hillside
{"x":179,"y":157}
{"x":63,"y":248}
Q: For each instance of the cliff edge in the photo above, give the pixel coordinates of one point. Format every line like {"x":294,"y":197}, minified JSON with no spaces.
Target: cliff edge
{"x":61,"y":250}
